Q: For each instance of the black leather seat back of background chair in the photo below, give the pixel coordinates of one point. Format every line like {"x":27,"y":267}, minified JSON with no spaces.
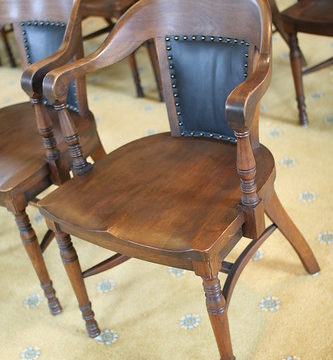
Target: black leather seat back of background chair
{"x":42,"y":39}
{"x":204,"y":70}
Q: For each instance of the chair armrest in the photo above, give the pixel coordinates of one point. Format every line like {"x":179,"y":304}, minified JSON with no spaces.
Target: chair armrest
{"x":32,"y":77}
{"x":243,"y":100}
{"x":119,"y":44}
{"x":56,"y":82}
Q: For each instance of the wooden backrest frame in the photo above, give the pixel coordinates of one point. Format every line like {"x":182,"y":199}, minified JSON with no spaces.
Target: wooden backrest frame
{"x":157,"y":18}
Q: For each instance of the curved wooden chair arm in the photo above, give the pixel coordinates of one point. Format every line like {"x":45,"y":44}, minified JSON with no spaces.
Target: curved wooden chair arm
{"x":56,"y":82}
{"x":32,"y":77}
{"x":243,"y":100}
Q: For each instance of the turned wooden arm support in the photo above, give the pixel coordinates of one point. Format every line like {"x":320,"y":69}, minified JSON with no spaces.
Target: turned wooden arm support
{"x":56,"y":84}
{"x":32,"y":78}
{"x":32,"y":81}
{"x":241,"y":107}
{"x":243,"y":100}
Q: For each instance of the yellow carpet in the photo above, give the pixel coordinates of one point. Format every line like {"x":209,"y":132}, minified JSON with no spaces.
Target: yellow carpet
{"x":146,"y":310}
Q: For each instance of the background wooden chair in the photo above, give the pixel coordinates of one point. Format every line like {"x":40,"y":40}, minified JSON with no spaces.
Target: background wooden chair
{"x":25,"y":171}
{"x":175,"y":199}
{"x":111,"y":11}
{"x":307,"y":16}
{"x":4,"y":30}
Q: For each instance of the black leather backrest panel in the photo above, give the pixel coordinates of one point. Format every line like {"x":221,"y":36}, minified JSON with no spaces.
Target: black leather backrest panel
{"x":42,"y":39}
{"x":204,"y":70}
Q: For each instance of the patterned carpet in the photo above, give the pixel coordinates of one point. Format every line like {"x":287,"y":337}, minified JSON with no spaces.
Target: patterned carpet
{"x":147,"y":311}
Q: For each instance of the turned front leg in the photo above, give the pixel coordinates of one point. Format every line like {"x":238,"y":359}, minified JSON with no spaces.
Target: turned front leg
{"x":34,"y":251}
{"x":73,"y":269}
{"x":217,"y":312}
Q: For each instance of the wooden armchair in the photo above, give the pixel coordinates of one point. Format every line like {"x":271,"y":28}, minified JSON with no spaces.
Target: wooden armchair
{"x":184,"y":198}
{"x":25,"y":171}
{"x":308,"y":16}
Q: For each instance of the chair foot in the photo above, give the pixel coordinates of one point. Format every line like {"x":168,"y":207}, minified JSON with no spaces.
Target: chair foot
{"x":281,"y":219}
{"x":302,"y":115}
{"x":34,"y":251}
{"x":53,"y":302}
{"x":73,"y":269}
{"x":91,"y":324}
{"x":217,"y":312}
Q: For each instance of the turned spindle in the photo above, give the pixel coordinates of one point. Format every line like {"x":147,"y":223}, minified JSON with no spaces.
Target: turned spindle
{"x":80,"y":165}
{"x":45,"y":129}
{"x":251,"y":203}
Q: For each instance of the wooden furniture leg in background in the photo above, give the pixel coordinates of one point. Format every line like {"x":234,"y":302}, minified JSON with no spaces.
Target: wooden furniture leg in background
{"x":296,"y":66}
{"x":4,"y":37}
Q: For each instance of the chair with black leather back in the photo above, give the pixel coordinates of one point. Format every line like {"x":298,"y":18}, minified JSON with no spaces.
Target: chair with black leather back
{"x":25,"y":171}
{"x":184,"y":198}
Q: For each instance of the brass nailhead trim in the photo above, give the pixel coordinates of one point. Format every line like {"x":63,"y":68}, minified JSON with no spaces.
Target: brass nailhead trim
{"x":174,"y":84}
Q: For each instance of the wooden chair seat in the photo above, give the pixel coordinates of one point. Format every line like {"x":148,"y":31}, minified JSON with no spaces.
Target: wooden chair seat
{"x":139,"y":196}
{"x":314,"y":16}
{"x":22,"y":155}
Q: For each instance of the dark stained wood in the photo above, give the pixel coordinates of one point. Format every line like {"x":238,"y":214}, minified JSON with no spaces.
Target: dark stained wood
{"x":112,"y":10}
{"x":234,"y":270}
{"x":311,"y":16}
{"x":73,"y":269}
{"x":215,"y":303}
{"x":71,"y":136}
{"x":174,"y":200}
{"x":251,"y":203}
{"x":47,"y":239}
{"x":296,"y":68}
{"x":277,"y":21}
{"x":31,"y":245}
{"x":308,"y":16}
{"x":4,"y":32}
{"x":107,"y":264}
{"x":281,"y":219}
{"x":181,"y":167}
{"x":156,"y":68}
{"x":318,"y":67}
{"x":136,"y":75}
{"x":106,"y":8}
{"x":20,"y":164}
{"x":33,"y":153}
